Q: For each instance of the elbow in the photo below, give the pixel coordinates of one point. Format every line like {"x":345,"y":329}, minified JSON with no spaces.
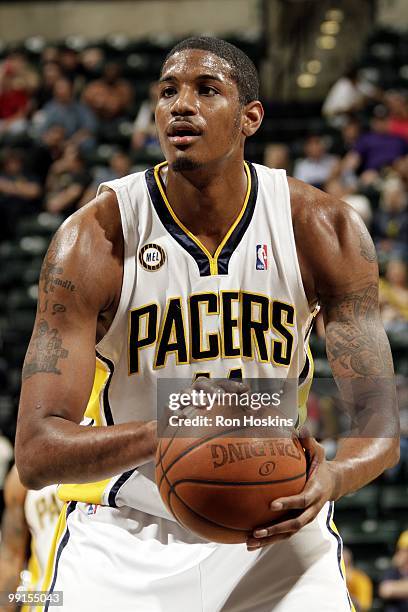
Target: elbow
{"x":394,"y":453}
{"x":28,"y":474}
{"x":29,"y":470}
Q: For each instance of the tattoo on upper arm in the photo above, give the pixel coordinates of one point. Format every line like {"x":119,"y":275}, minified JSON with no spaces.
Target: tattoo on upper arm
{"x":367,"y":248}
{"x":44,"y":352}
{"x":355,"y":339}
{"x":51,"y":271}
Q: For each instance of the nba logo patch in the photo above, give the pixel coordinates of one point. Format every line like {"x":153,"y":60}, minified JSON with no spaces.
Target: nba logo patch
{"x":92,"y":509}
{"x":261,"y":257}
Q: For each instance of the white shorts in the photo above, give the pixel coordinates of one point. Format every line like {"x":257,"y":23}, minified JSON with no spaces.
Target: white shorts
{"x":110,"y":559}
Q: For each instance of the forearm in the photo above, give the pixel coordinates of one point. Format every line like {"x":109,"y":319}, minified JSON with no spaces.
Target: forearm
{"x":358,"y":461}
{"x":65,"y":452}
{"x":360,"y":357}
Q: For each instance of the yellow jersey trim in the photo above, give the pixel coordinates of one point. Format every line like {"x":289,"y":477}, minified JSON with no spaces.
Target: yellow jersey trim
{"x":213,"y":259}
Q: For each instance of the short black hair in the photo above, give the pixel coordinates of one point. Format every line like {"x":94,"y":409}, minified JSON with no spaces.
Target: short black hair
{"x":243,"y":70}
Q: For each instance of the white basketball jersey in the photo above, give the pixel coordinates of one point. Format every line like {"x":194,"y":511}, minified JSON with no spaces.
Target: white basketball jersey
{"x":183,"y":312}
{"x":42,"y":509}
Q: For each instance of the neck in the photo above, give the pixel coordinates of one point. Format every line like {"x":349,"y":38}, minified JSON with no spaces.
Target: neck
{"x":208,"y":202}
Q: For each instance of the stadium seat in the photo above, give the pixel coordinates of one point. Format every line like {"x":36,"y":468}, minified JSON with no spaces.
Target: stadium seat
{"x":360,"y":505}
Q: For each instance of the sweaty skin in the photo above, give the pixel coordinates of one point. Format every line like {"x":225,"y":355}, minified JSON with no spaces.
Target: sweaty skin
{"x":202,"y":128}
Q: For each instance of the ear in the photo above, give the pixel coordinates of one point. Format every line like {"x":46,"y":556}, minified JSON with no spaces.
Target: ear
{"x":252,"y":118}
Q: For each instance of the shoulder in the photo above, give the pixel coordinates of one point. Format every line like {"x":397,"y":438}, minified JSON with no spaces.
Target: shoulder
{"x":314,"y":211}
{"x":88,"y":247}
{"x":94,"y":225}
{"x":330,"y":236}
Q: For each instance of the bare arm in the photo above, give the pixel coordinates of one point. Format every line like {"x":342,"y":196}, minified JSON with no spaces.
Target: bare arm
{"x":14,"y":536}
{"x":339,"y":270}
{"x":358,"y":352}
{"x":59,"y":367}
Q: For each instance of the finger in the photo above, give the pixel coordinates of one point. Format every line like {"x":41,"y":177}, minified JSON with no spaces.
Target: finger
{"x":202,"y":383}
{"x":290,"y":526}
{"x":253,"y":544}
{"x":301,"y":501}
{"x":309,"y":443}
{"x":234,"y":386}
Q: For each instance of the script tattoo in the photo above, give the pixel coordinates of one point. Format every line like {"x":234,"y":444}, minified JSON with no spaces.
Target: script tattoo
{"x":367,"y":248}
{"x":50,"y":271}
{"x":44,"y":352}
{"x":355,"y":340}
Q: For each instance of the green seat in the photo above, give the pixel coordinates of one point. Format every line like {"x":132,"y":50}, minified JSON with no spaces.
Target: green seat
{"x":394,"y":498}
{"x":361,"y":504}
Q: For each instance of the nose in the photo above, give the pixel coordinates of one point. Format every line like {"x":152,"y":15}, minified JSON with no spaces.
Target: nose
{"x":185,"y":102}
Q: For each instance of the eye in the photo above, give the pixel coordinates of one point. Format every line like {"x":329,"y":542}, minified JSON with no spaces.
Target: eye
{"x":207,"y":90}
{"x":167,"y":92}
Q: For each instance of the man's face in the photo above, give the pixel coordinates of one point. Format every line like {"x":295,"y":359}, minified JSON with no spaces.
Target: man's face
{"x":198,"y":113}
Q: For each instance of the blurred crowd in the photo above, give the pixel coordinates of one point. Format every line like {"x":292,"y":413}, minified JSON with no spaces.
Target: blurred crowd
{"x":54,"y":117}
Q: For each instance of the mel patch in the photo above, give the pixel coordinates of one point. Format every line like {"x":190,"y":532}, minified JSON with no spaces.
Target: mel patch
{"x":152,"y":257}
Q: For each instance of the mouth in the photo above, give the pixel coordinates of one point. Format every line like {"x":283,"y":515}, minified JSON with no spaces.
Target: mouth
{"x":183,"y":133}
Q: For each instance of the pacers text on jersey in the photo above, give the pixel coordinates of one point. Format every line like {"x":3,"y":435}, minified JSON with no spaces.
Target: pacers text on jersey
{"x":242,"y":325}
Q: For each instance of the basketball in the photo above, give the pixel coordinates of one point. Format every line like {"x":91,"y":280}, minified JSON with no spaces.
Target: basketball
{"x":221,"y":487}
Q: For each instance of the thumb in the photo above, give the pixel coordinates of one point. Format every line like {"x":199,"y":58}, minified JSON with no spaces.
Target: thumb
{"x":314,"y":451}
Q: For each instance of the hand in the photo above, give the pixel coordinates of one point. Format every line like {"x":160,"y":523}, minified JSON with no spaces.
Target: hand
{"x":319,"y":488}
{"x":198,"y":399}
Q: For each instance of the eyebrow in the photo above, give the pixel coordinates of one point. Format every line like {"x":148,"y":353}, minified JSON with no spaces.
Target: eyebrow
{"x":201,"y":77}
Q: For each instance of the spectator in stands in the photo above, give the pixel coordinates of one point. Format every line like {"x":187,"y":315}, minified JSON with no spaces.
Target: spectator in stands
{"x":78,"y":120}
{"x":47,"y":150}
{"x":70,"y":63}
{"x":110,"y":96}
{"x":50,"y":73}
{"x":390,"y":224}
{"x":347,"y":95}
{"x":144,"y":128}
{"x":317,"y":166}
{"x":359,"y":584}
{"x":397,"y":106}
{"x":348,"y":135}
{"x":92,"y":60}
{"x":394,"y":297}
{"x":393,"y":587}
{"x":119,"y":165}
{"x":18,"y":82}
{"x":277,"y":155}
{"x":375,"y":150}
{"x":19,"y":191}
{"x":66,"y":182}
{"x":50,"y":53}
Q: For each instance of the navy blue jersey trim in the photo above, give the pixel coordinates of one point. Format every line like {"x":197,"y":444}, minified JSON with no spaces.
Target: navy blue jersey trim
{"x":239,"y":232}
{"x":118,"y":484}
{"x":70,"y":508}
{"x":186,"y":242}
{"x":336,"y":535}
{"x":106,"y":405}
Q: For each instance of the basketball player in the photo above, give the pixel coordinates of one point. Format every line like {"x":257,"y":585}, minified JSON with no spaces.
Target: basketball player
{"x":160,"y":273}
{"x":29,"y":521}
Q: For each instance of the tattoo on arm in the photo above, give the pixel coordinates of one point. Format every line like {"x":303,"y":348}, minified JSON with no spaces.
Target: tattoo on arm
{"x":355,"y":339}
{"x":367,"y":248}
{"x":51,"y":273}
{"x":44,"y":352}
